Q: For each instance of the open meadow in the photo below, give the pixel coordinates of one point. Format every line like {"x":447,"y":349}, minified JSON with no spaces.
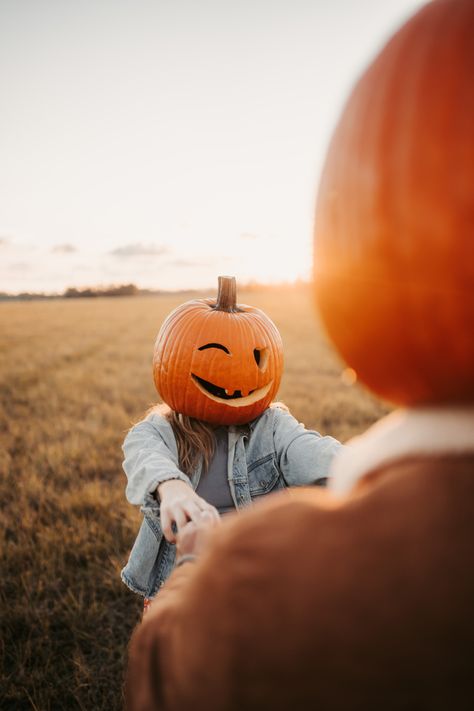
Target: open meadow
{"x":74,"y":375}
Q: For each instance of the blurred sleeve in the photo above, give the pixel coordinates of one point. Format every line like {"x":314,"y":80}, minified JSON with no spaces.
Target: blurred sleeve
{"x":151,"y":648}
{"x":213,"y":636}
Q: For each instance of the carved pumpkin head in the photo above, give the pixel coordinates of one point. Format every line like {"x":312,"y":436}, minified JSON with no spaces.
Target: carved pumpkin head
{"x":218,"y":361}
{"x":394,"y":242}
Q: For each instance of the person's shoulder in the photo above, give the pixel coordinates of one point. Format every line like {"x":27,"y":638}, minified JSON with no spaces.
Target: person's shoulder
{"x":274,"y":413}
{"x":154,"y":422}
{"x":156,"y":418}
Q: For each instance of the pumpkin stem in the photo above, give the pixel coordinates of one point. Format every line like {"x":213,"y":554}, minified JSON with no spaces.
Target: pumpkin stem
{"x":226,"y":294}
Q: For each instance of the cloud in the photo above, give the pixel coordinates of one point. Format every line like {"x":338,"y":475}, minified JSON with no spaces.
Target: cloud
{"x":64,"y":249}
{"x":139,"y":250}
{"x":4,"y":241}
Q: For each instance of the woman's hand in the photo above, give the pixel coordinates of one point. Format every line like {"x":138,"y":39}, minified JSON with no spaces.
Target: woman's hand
{"x":195,"y":537}
{"x":180,"y":504}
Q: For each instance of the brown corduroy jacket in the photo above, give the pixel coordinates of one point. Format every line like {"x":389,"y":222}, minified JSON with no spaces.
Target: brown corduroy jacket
{"x":311,"y":602}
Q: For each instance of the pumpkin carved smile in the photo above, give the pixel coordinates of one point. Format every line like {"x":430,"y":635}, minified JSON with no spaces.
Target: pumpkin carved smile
{"x":235,"y":399}
{"x":218,"y":361}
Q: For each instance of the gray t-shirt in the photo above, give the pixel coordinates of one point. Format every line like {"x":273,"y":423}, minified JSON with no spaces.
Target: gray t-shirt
{"x":213,"y":486}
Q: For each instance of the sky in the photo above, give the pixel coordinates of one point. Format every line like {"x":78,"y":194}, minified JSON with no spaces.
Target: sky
{"x":165,"y":142}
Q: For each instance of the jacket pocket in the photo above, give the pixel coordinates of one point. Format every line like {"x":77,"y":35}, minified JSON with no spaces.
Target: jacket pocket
{"x":141,"y":564}
{"x":264,"y":476}
{"x":151,"y":512}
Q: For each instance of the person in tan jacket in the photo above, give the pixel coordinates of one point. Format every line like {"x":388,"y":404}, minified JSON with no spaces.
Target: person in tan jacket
{"x":360,"y":597}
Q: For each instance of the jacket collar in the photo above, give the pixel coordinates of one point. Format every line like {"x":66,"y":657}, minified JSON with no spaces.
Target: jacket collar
{"x":419,"y":431}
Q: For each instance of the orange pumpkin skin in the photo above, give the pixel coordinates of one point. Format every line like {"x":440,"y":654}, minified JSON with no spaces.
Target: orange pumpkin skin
{"x":181,"y":365}
{"x":394,"y":229}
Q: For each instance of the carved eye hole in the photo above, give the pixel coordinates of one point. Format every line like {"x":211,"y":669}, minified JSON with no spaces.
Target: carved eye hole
{"x":261,"y":357}
{"x":214,"y":345}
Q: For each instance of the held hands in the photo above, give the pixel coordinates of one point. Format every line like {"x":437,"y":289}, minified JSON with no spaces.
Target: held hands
{"x":194,"y":538}
{"x":179,"y":505}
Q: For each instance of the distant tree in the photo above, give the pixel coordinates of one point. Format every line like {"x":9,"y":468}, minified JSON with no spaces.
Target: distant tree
{"x":124,"y":290}
{"x":89,"y":292}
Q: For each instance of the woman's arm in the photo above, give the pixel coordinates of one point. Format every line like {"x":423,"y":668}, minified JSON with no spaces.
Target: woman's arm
{"x":304,"y":456}
{"x":150,"y":458}
{"x":151,"y":466}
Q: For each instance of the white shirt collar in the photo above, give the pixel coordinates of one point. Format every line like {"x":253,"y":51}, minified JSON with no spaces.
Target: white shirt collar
{"x":406,"y":432}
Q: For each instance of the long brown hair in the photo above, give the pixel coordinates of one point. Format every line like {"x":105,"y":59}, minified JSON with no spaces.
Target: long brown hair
{"x":195,"y":439}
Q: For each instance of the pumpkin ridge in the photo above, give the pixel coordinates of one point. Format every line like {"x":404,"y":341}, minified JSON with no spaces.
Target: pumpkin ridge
{"x":194,"y":382}
{"x":393,"y":254}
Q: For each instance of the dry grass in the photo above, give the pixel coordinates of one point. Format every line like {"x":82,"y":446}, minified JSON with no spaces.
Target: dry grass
{"x":73,"y":376}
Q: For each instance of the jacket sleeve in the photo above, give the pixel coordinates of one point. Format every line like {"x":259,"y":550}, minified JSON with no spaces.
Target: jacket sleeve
{"x":149,"y":460}
{"x":304,"y":456}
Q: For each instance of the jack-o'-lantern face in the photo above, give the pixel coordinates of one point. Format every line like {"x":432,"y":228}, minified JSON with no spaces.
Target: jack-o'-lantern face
{"x":218,"y":361}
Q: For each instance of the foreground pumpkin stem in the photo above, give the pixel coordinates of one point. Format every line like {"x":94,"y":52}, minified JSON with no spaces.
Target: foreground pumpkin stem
{"x":226,"y":294}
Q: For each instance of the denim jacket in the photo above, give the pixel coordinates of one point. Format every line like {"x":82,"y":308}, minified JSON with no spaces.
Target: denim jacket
{"x":270,"y":453}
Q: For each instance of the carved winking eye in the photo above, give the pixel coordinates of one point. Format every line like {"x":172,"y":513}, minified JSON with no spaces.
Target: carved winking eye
{"x":214,"y":345}
{"x":261,"y":357}
{"x":218,"y":361}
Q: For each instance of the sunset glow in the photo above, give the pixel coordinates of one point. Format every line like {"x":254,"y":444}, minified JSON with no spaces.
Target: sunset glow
{"x":162,"y":143}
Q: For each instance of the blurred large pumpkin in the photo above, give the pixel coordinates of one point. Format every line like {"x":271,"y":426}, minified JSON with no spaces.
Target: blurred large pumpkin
{"x":218,"y":361}
{"x":394,"y":231}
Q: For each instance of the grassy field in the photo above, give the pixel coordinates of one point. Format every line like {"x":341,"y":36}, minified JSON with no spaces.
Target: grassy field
{"x":74,"y":374}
